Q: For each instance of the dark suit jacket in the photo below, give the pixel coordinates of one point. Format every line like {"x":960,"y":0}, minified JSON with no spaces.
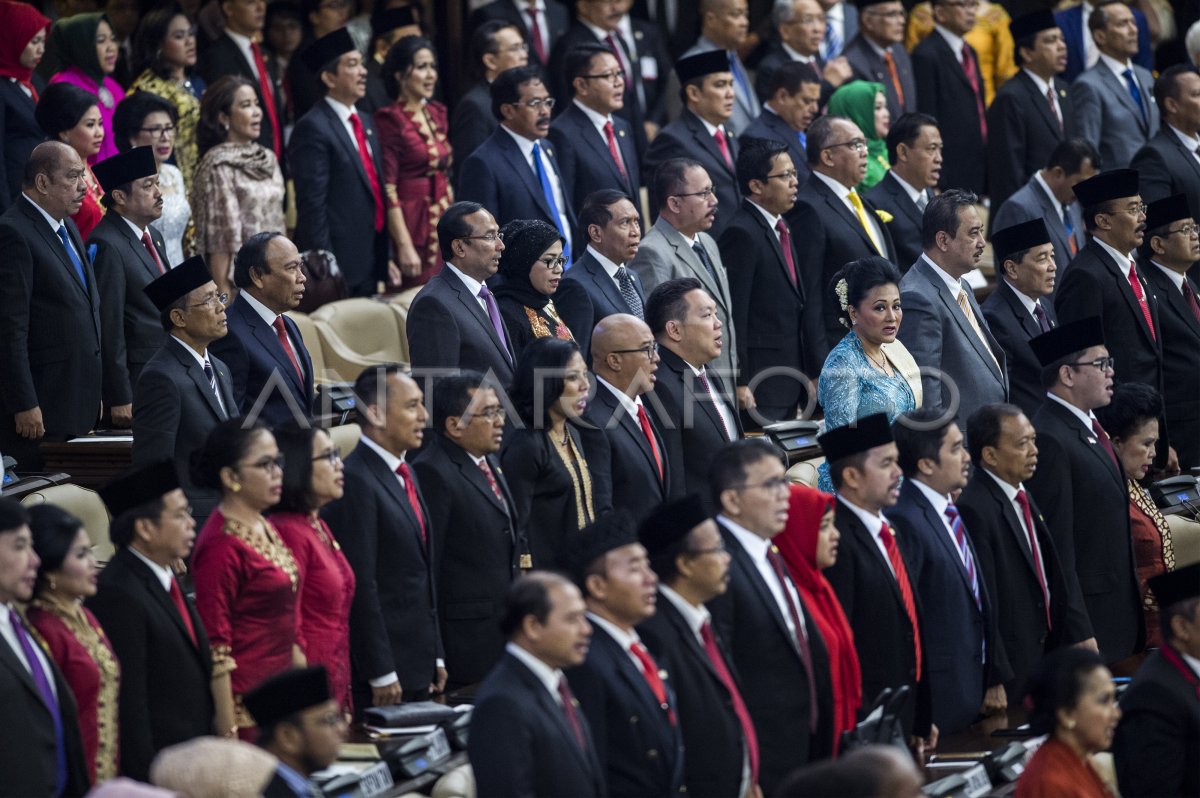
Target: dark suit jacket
{"x":447,"y":328}
{"x":869,"y":66}
{"x":1032,"y":202}
{"x":944,"y":93}
{"x":828,"y":236}
{"x":905,"y":226}
{"x":687,"y":24}
{"x":223,"y":57}
{"x":258,"y":364}
{"x":165,"y":694}
{"x":1087,"y":509}
{"x":129,"y":321}
{"x":771,"y":126}
{"x":1074,"y":28}
{"x":883,"y":635}
{"x":522,"y":744}
{"x":376,"y":96}
{"x":1006,"y":565}
{"x":1013,"y":327}
{"x":28,"y":749}
{"x":638,"y":746}
{"x":174,"y":409}
{"x":774,"y":57}
{"x":1181,"y":364}
{"x":49,"y":328}
{"x":587,"y":294}
{"x":394,"y":616}
{"x":335,"y":206}
{"x":21,"y":134}
{"x":655,"y":64}
{"x":768,"y":310}
{"x":471,"y":123}
{"x":687,"y":137}
{"x":1022,"y":132}
{"x":773,"y":677}
{"x":477,"y":542}
{"x":1165,"y":167}
{"x":585,"y":160}
{"x":556,"y":16}
{"x":712,"y":735}
{"x":689,"y":424}
{"x":620,"y":459}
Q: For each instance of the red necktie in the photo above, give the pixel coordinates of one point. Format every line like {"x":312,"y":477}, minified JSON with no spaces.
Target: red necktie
{"x":906,"y":595}
{"x":181,"y":606}
{"x":568,"y":700}
{"x":723,"y":146}
{"x":364,"y":154}
{"x":149,"y":245}
{"x":1190,"y":296}
{"x":785,"y":243}
{"x":268,"y":98}
{"x":535,"y":34}
{"x":650,"y":671}
{"x":1023,"y":500}
{"x":410,"y":490}
{"x":281,"y":332}
{"x":739,"y":706}
{"x":894,"y":75}
{"x":1053,"y":106}
{"x":644,"y":421}
{"x":619,"y":54}
{"x":1102,"y":437}
{"x":1140,"y":294}
{"x":969,"y":67}
{"x":491,"y":478}
{"x":776,"y":562}
{"x":612,"y":147}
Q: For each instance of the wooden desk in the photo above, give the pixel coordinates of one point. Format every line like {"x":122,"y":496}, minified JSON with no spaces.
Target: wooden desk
{"x":92,"y":461}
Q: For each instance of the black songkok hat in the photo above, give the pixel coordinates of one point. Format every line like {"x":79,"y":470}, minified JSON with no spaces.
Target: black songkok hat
{"x":328,"y":48}
{"x":177,"y":282}
{"x":1031,"y":24}
{"x":859,"y":436}
{"x":125,"y":168}
{"x":139,"y":486}
{"x":861,"y":4}
{"x":671,"y":522}
{"x":1162,"y":212}
{"x":1020,"y":237}
{"x":1051,"y":347}
{"x":286,"y":694}
{"x":1175,"y":586}
{"x":1106,"y":186}
{"x":701,"y":64}
{"x":610,"y":531}
{"x":387,"y":20}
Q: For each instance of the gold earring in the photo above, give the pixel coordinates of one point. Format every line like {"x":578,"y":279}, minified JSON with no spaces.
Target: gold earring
{"x":235,"y":487}
{"x":52,"y":583}
{"x":1071,"y":724}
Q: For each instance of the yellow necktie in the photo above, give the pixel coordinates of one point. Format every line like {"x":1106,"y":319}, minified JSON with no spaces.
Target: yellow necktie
{"x":970,"y":314}
{"x":861,"y":213}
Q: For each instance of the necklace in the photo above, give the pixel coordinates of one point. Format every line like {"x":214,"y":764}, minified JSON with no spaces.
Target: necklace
{"x":882,"y":363}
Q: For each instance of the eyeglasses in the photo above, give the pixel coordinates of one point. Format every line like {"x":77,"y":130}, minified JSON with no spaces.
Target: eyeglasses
{"x":159,"y":131}
{"x":615,"y":76}
{"x":538,"y":102}
{"x":775,"y":484}
{"x":553,"y":264}
{"x":491,"y":237}
{"x":858,"y":145}
{"x":491,"y":414}
{"x":895,"y":13}
{"x":649,"y":350}
{"x":331,"y":718}
{"x":790,"y":174}
{"x":269,"y":464}
{"x":717,"y":549}
{"x":1188,"y":230}
{"x":1133,"y":210}
{"x":334,"y":455}
{"x":222,"y":298}
{"x":1101,"y":363}
{"x":706,"y":193}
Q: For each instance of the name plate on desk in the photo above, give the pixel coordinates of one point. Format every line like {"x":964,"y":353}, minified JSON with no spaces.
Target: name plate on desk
{"x":978,"y":783}
{"x":375,"y":780}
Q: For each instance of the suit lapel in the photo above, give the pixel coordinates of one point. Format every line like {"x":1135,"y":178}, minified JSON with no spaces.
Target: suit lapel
{"x":599,"y":147}
{"x":1165,"y":289}
{"x":476,"y":312}
{"x":473,"y":475}
{"x":776,"y":246}
{"x":902,"y":200}
{"x":1028,"y":323}
{"x":162,"y":598}
{"x":338,"y":131}
{"x":391,"y":485}
{"x":863,"y":538}
{"x":635,"y":680}
{"x":938,"y":526}
{"x":1121,"y":276}
{"x":269,"y":341}
{"x":552,"y":709}
{"x":1015,"y":525}
{"x":991,"y":359}
{"x":1188,"y":158}
{"x":685,"y":253}
{"x":708,"y":143}
{"x":56,"y":246}
{"x":954,"y":65}
{"x":752,"y":576}
{"x":196,"y":373}
{"x":518,"y":164}
{"x":632,"y":427}
{"x":136,"y":246}
{"x":1067,"y":419}
{"x":1043,"y":106}
{"x":9,"y":659}
{"x":1118,"y":87}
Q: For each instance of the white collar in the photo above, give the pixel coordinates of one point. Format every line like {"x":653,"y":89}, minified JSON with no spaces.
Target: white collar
{"x":879,"y":51}
{"x":955,"y":285}
{"x":599,"y":33}
{"x":1173,"y":276}
{"x":1042,"y":86}
{"x":163,"y":575}
{"x":549,"y":677}
{"x":796,"y":55}
{"x":50,"y":220}
{"x":624,"y":639}
{"x":755,"y":545}
{"x":201,"y":357}
{"x":1192,"y":662}
{"x":241,"y":41}
{"x":955,"y":41}
{"x":836,"y":12}
{"x":939,"y":501}
{"x":1009,"y":491}
{"x":609,"y":267}
{"x":1190,"y":142}
{"x":390,"y":460}
{"x":630,"y":405}
{"x":342,"y":110}
{"x":523,"y":144}
{"x":625,"y":28}
{"x":1118,"y":68}
{"x":1122,"y":258}
{"x":1041,"y":181}
{"x":471,"y":283}
{"x":710,"y":127}
{"x":840,"y":191}
{"x":137,"y":231}
{"x":524,"y":5}
{"x":1085,"y":418}
{"x":695,"y":615}
{"x":598,"y":119}
{"x":872,"y":521}
{"x":1026,"y":301}
{"x":772,"y":219}
{"x":264,"y":312}
{"x":913,"y":193}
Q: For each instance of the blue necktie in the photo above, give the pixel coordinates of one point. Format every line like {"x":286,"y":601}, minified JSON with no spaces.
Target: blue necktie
{"x":832,"y":46}
{"x":72,"y":254}
{"x":740,"y":77}
{"x":803,"y":139}
{"x":1135,"y":92}
{"x":548,"y":193}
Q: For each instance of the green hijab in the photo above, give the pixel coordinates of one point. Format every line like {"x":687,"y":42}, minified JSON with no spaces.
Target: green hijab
{"x":74,"y":40}
{"x":856,"y":102}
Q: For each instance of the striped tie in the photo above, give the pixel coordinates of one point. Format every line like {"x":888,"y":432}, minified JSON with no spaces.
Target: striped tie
{"x":964,"y":551}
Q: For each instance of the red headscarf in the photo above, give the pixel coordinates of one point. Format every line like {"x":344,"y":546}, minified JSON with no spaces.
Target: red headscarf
{"x":19,"y":23}
{"x":798,"y":545}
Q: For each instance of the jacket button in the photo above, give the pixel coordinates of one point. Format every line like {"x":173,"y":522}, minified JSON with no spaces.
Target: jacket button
{"x":652,"y":754}
{"x":633,"y":719}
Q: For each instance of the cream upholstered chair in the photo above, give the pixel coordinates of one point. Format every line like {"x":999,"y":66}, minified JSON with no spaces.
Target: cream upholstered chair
{"x":357,"y":333}
{"x":312,"y":342}
{"x":805,"y":472}
{"x":345,"y":437}
{"x":85,"y":505}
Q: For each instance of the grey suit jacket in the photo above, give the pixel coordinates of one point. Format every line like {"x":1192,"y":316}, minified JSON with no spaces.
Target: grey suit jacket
{"x":1106,"y":115}
{"x":935,"y":330}
{"x":666,"y":255}
{"x":870,"y":66}
{"x":1031,"y":202}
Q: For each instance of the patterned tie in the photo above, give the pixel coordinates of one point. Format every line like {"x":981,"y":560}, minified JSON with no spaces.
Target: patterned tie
{"x":612,"y":148}
{"x":268,"y":98}
{"x":410,"y":491}
{"x":1069,"y":226}
{"x":364,"y":155}
{"x":1190,"y":296}
{"x":1043,"y":320}
{"x":551,"y":201}
{"x":1027,"y":517}
{"x":493,"y":311}
{"x":831,"y":45}
{"x":776,"y":563}
{"x":964,"y":551}
{"x":1054,"y":107}
{"x":629,"y":291}
{"x":535,"y":34}
{"x":71,"y":253}
{"x":492,"y":483}
{"x":702,"y":254}
{"x":42,"y":682}
{"x":1102,"y":439}
{"x":971,"y":67}
{"x":568,"y":702}
{"x":1140,"y":295}
{"x":716,"y":407}
{"x":739,"y":706}
{"x":149,"y":245}
{"x":644,"y":423}
{"x":181,"y":606}
{"x":785,"y":244}
{"x":653,"y":679}
{"x":906,"y":594}
{"x":894,"y":75}
{"x":860,"y":211}
{"x":211,"y":376}
{"x":965,"y":305}
{"x":281,"y":333}
{"x":723,"y":146}
{"x":1135,"y":91}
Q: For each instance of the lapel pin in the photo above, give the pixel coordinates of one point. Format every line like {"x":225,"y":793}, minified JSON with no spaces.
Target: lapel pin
{"x":1091,"y":440}
{"x":621,"y":133}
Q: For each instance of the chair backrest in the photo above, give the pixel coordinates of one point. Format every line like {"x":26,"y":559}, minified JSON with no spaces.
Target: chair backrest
{"x":345,"y":437}
{"x":85,"y":505}
{"x":404,"y":298}
{"x":357,"y":333}
{"x":805,"y":472}
{"x":312,"y":342}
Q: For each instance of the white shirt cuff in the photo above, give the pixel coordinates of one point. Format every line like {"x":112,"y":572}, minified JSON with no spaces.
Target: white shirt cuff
{"x":384,"y":681}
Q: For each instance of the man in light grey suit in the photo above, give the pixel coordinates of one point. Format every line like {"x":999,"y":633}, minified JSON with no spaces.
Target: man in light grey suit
{"x":678,"y":245}
{"x":1114,"y":100}
{"x":1050,"y":195}
{"x":944,"y":327}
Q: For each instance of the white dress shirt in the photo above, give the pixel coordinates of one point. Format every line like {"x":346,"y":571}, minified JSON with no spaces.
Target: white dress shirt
{"x":343,"y":112}
{"x":473,"y":285}
{"x":243,"y":44}
{"x":1175,"y":277}
{"x":543,"y":23}
{"x":1190,"y":143}
{"x":1085,"y":419}
{"x":718,"y":402}
{"x":609,"y":267}
{"x":623,"y":639}
{"x":874,"y":524}
{"x":843,"y":193}
{"x":161,"y":573}
{"x":202,"y":359}
{"x":1118,"y":68}
{"x":1122,"y":259}
{"x":269,"y":316}
{"x":955,"y":41}
{"x":1011,"y":493}
{"x":549,"y":677}
{"x":526,"y":147}
{"x":757,"y":547}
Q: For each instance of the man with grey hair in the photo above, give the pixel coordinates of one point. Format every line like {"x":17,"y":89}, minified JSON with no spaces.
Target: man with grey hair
{"x":800,"y":27}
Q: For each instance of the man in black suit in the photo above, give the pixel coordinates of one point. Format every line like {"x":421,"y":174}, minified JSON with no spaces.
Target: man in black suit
{"x":837,"y":225}
{"x":1168,"y":164}
{"x":42,"y":752}
{"x":479,"y":542}
{"x":625,"y":695}
{"x":153,"y":626}
{"x":944,"y":567}
{"x":339,"y":177}
{"x":515,"y":173}
{"x":300,"y":725}
{"x":528,"y":733}
{"x":1080,"y":483}
{"x":1031,"y":112}
{"x":595,"y":149}
{"x":184,"y":390}
{"x":49,"y":311}
{"x":385,"y":530}
{"x":1039,"y":607}
{"x":1154,"y":749}
{"x":950,"y":89}
{"x":129,"y":255}
{"x":271,"y":368}
{"x":790,"y":105}
{"x":872,"y":575}
{"x":498,"y":47}
{"x":775,"y":645}
{"x":541,"y":23}
{"x":454,"y":321}
{"x":644,"y":42}
{"x":600,"y":283}
{"x":877,"y":54}
{"x":1172,"y":246}
{"x":678,"y":21}
{"x":800,"y":27}
{"x":627,"y":457}
{"x":691,"y":561}
{"x":765,"y":285}
{"x":696,"y":414}
{"x":1020,"y":308}
{"x":914,"y":146}
{"x":700,"y":133}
